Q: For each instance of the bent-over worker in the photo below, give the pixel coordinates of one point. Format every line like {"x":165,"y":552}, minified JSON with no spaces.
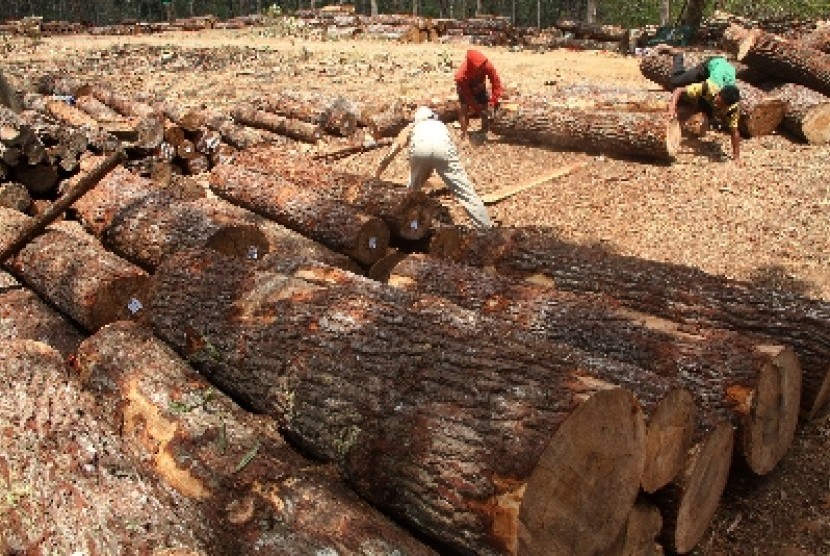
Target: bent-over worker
{"x":431,"y":148}
{"x":712,"y":85}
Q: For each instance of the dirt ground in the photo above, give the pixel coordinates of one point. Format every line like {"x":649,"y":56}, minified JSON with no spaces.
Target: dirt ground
{"x":765,"y":220}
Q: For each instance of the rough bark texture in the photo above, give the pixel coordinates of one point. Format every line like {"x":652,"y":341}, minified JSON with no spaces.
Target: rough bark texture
{"x":646,"y":135}
{"x":332,"y":223}
{"x":336,"y":115}
{"x":283,"y":243}
{"x":760,"y":113}
{"x":154,"y":226}
{"x":790,"y":61}
{"x":24,"y":316}
{"x":432,"y":413}
{"x":15,"y":196}
{"x":116,"y":191}
{"x":808,"y":112}
{"x":257,"y":490}
{"x":678,"y":293}
{"x":75,"y":273}
{"x":721,"y":369}
{"x":68,"y":486}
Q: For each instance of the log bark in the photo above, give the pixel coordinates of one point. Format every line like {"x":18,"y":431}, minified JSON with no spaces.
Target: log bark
{"x":295,"y":129}
{"x":24,"y":316}
{"x":284,"y":244}
{"x":807,"y":115}
{"x":338,"y":116}
{"x":153,"y":227}
{"x":76,"y":274}
{"x":713,"y":365}
{"x":497,"y":428}
{"x":119,"y":189}
{"x":62,"y":471}
{"x":236,"y":135}
{"x":172,"y":421}
{"x":334,"y":224}
{"x":645,"y":135}
{"x":676,"y":292}
{"x":790,"y":61}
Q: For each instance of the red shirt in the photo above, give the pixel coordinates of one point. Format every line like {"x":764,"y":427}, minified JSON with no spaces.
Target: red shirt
{"x":471,"y":76}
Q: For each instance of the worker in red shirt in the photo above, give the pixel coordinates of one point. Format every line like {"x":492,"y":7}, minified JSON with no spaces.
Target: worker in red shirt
{"x":471,"y":82}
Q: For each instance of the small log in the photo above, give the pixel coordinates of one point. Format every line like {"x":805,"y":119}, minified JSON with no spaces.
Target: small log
{"x":198,"y":441}
{"x":338,"y":116}
{"x":500,"y":428}
{"x":296,"y":129}
{"x":15,"y":196}
{"x":155,"y":226}
{"x":76,"y":274}
{"x":234,"y":134}
{"x":640,"y":534}
{"x":333,"y":223}
{"x":807,"y":114}
{"x":70,"y":482}
{"x":647,"y":135}
{"x":760,"y":113}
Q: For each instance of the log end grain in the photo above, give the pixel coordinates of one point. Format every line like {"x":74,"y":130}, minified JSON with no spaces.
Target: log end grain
{"x":773,"y":415}
{"x":763,"y":119}
{"x":372,"y":241}
{"x":241,"y":240}
{"x":120,"y":299}
{"x":668,"y":439}
{"x":706,"y":475}
{"x":673,"y":136}
{"x":816,"y":125}
{"x":382,"y":269}
{"x":416,"y":214}
{"x":822,"y":398}
{"x":581,"y":493}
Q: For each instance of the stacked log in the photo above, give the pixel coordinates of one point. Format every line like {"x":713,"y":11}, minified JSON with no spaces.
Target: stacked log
{"x":678,"y":293}
{"x":23,"y":154}
{"x":149,"y":123}
{"x":68,"y":484}
{"x":807,"y":115}
{"x":336,"y":115}
{"x":333,"y":223}
{"x":290,"y":127}
{"x":171,"y":420}
{"x":496,"y":427}
{"x":74,"y":272}
{"x":641,"y":134}
{"x":14,"y":195}
{"x":25,"y":316}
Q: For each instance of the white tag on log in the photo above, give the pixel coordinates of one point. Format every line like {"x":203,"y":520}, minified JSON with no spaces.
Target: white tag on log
{"x":253,"y":252}
{"x":134,"y":306}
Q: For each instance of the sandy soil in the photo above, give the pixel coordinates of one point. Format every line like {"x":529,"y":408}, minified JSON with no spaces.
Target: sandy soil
{"x":765,"y":220}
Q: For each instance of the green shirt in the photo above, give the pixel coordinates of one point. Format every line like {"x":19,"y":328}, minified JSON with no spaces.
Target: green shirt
{"x":721,"y":73}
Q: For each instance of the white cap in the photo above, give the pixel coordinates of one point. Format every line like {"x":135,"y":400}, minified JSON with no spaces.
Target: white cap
{"x":423,"y":113}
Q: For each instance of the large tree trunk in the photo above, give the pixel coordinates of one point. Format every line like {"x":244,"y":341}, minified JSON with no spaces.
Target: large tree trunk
{"x":714,"y":365}
{"x":75,"y":273}
{"x":646,"y":135}
{"x":155,"y":226}
{"x":24,"y":316}
{"x":474,"y":435}
{"x":790,"y":61}
{"x":296,"y":129}
{"x":117,"y":190}
{"x":808,"y":112}
{"x":336,"y":115}
{"x":69,"y":487}
{"x":332,"y":223}
{"x":173,"y":421}
{"x":679,"y":293}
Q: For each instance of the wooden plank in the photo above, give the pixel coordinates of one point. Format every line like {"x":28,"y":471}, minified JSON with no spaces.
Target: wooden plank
{"x":506,"y":192}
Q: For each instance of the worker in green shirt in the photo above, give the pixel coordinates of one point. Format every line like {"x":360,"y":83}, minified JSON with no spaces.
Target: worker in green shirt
{"x":711,"y":85}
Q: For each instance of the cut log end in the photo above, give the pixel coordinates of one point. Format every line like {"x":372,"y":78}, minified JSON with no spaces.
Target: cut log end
{"x":243,"y":241}
{"x":122,"y":299}
{"x":822,"y":398}
{"x":372,"y":242}
{"x":416,"y":214}
{"x":773,"y":416}
{"x":584,"y":486}
{"x":382,"y":269}
{"x":745,"y":43}
{"x":816,"y":125}
{"x":707,"y":473}
{"x":673,"y":136}
{"x":669,"y":438}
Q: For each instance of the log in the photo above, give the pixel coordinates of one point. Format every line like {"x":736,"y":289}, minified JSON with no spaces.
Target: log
{"x":713,"y":365}
{"x":151,"y":228}
{"x":76,"y":274}
{"x":293,"y":128}
{"x":234,"y":134}
{"x":24,"y":316}
{"x":675,"y":292}
{"x":807,"y":114}
{"x":284,"y":244}
{"x":171,"y":420}
{"x":15,"y":196}
{"x":119,"y":189}
{"x":639,"y":536}
{"x":646,"y":135}
{"x":333,"y":223}
{"x":62,"y":471}
{"x":498,"y":427}
{"x":336,"y":115}
{"x":790,"y":61}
